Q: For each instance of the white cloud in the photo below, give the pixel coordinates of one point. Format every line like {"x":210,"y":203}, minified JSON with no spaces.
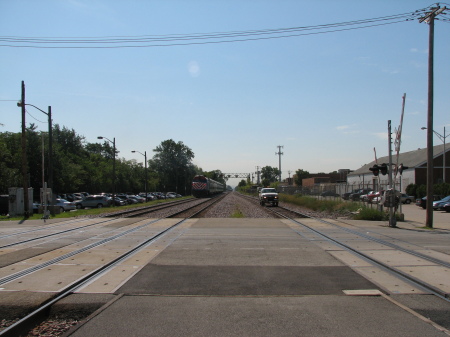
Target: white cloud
{"x":348,"y":129}
{"x":381,"y":135}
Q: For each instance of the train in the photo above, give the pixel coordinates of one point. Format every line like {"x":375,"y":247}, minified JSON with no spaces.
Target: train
{"x":205,"y":187}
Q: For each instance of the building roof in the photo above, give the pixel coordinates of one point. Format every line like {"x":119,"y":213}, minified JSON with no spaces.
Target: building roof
{"x":411,"y":159}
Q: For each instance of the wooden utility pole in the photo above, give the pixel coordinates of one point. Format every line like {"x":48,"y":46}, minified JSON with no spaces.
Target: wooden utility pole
{"x":24,"y":156}
{"x":429,"y":18}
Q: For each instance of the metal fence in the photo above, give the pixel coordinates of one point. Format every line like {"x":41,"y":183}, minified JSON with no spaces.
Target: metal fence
{"x":338,"y":188}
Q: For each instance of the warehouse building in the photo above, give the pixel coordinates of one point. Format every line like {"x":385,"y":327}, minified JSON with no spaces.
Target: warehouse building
{"x":416,"y":173}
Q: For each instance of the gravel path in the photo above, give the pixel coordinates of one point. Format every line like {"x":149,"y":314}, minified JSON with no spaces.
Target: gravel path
{"x":235,"y":206}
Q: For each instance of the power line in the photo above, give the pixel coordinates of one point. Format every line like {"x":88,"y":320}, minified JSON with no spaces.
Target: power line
{"x":34,"y":117}
{"x":145,"y":41}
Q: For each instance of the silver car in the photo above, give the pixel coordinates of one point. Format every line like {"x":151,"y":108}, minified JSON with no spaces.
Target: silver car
{"x":65,"y":205}
{"x":93,"y":201}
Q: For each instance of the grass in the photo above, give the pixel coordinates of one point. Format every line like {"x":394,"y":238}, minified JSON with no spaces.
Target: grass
{"x":314,"y":204}
{"x":88,"y":212}
{"x":237,"y":214}
{"x":358,"y":210}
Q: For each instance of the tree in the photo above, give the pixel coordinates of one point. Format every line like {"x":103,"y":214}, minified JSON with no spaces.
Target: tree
{"x":270,"y":174}
{"x":172,"y":162}
{"x":242,"y":183}
{"x":299,"y":175}
{"x":216,"y":175}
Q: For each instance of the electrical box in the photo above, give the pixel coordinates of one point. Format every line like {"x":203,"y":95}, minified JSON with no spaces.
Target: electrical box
{"x":16,"y":203}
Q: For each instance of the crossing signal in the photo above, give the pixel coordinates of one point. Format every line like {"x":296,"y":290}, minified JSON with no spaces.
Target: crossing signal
{"x":383,"y":169}
{"x":402,"y":167}
{"x":375,"y":169}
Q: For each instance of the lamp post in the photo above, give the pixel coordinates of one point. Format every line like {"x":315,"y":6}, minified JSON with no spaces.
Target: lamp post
{"x":50,"y":143}
{"x":442,"y":138}
{"x":114,"y":167}
{"x":145,"y":183}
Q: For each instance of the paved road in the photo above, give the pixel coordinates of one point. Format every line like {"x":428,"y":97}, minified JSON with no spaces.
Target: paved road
{"x":258,"y":277}
{"x":417,"y":216}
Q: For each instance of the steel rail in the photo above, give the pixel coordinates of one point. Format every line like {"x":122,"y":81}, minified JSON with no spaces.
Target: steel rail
{"x":52,"y":234}
{"x":392,"y":270}
{"x":38,"y":315}
{"x":147,"y":209}
{"x":404,"y":276}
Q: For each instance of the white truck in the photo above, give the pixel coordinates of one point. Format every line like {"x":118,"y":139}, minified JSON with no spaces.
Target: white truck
{"x":268,"y":196}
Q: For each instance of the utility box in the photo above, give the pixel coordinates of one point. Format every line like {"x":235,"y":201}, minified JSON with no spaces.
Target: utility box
{"x":4,"y":204}
{"x":16,"y":201}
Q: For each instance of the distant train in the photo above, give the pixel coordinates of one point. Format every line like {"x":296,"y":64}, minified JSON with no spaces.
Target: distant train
{"x":205,"y":187}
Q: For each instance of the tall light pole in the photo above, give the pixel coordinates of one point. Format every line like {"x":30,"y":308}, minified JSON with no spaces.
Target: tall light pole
{"x":114,"y":167}
{"x":145,"y":184}
{"x":442,"y":138}
{"x":279,"y":153}
{"x":50,"y":142}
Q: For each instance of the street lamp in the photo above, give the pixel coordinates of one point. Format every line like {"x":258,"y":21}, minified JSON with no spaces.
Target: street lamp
{"x":145,"y":183}
{"x":114,"y":167}
{"x":50,"y":145}
{"x":442,"y":138}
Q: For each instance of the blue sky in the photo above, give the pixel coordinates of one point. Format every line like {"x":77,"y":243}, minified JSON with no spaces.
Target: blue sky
{"x":326,"y":97}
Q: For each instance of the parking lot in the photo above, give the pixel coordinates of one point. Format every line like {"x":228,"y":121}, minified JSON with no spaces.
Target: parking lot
{"x":416,"y":216}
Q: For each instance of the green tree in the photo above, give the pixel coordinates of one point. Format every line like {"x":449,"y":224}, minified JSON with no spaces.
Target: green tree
{"x":172,"y":162}
{"x":10,"y":159}
{"x":299,"y":175}
{"x":216,"y":175}
{"x":270,"y":173}
{"x":242,"y":183}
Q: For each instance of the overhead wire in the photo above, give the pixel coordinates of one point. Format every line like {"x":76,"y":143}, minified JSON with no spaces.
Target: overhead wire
{"x":29,"y":114}
{"x":169,"y":40}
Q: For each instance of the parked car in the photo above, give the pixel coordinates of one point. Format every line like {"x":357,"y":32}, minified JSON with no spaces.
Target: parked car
{"x":346,"y":195}
{"x":374,"y":197}
{"x":329,"y":194}
{"x":446,"y":207}
{"x":94,"y":201}
{"x":159,"y":195}
{"x":135,"y":200}
{"x":78,"y":196}
{"x":124,"y":198}
{"x":365,"y":197}
{"x":149,"y":196}
{"x":355,"y":196}
{"x":140,"y":199}
{"x":423,"y":202}
{"x":118,"y":201}
{"x":406,"y":199}
{"x":171,"y":195}
{"x":65,"y":205}
{"x":439,"y":203}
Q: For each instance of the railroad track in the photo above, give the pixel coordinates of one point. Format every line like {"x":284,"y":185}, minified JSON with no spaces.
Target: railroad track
{"x":25,"y":324}
{"x":148,"y":210}
{"x":332,"y":230}
{"x":328,"y":232}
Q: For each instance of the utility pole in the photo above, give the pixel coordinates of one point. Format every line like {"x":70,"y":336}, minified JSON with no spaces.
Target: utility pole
{"x":50,"y":155}
{"x":24,"y":157}
{"x":392,"y":219}
{"x":279,"y":153}
{"x":429,"y":18}
{"x":257,"y":175}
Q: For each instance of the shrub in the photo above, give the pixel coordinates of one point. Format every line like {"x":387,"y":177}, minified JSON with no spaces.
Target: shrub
{"x":370,"y":214}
